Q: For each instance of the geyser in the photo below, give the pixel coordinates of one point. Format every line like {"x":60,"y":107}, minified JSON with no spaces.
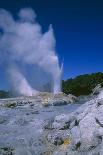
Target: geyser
{"x":22,"y":43}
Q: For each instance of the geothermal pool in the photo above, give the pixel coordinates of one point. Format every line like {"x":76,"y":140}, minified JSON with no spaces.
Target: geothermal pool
{"x":21,"y":127}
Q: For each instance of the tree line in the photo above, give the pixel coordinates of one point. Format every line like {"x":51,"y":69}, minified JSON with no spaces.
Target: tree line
{"x":82,"y":84}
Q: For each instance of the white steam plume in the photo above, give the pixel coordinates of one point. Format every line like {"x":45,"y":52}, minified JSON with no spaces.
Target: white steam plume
{"x":19,"y":83}
{"x":22,"y":41}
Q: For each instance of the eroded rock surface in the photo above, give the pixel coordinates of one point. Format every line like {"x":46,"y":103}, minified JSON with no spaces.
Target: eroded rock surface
{"x":25,"y":123}
{"x":57,"y":99}
{"x":84,"y":128}
{"x":27,"y":127}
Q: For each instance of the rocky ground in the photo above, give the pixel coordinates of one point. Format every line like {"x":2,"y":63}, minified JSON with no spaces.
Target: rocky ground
{"x":51,"y":125}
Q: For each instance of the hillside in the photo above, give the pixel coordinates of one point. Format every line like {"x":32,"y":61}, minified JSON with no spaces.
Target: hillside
{"x":82,"y":84}
{"x":4,"y":94}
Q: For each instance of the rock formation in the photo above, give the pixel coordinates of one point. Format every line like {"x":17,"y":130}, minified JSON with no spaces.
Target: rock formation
{"x":82,"y":129}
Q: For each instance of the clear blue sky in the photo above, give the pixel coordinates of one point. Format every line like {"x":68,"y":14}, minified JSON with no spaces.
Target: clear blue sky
{"x":78,"y":28}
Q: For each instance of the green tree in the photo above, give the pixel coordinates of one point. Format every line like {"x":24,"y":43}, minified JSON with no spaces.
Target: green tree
{"x":82,"y":84}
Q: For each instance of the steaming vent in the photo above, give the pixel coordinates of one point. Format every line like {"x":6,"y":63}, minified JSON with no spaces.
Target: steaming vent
{"x":28,"y":54}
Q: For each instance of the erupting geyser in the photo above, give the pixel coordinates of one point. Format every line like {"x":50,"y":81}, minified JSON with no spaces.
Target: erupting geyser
{"x":22,"y":43}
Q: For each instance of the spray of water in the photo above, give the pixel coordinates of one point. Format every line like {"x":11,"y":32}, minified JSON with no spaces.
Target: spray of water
{"x":23,"y":42}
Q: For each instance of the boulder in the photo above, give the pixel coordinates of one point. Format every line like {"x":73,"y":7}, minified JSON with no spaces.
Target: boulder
{"x":97,"y":89}
{"x":85,"y":128}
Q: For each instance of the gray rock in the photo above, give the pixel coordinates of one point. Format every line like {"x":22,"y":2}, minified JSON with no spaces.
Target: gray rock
{"x":42,"y":132}
{"x":86,"y":128}
{"x":58,"y":137}
{"x":97,"y":89}
{"x":57,"y":99}
{"x":76,"y":137}
{"x":58,"y":102}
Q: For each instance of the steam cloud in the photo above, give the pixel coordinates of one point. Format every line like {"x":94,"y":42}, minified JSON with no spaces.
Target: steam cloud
{"x":23,"y":42}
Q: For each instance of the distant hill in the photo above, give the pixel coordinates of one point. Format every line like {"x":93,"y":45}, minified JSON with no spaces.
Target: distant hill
{"x":83,"y":84}
{"x":4,"y":94}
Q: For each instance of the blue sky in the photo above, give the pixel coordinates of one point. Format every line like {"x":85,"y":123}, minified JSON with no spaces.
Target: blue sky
{"x":78,"y":28}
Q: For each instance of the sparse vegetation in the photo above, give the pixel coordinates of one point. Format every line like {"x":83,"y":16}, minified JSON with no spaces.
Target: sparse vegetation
{"x":7,"y":151}
{"x":11,"y":105}
{"x":78,"y":145}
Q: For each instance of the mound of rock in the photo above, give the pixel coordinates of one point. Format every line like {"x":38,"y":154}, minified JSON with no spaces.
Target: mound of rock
{"x":79,"y":133}
{"x":41,"y":99}
{"x":57,"y":99}
{"x":97,"y":89}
